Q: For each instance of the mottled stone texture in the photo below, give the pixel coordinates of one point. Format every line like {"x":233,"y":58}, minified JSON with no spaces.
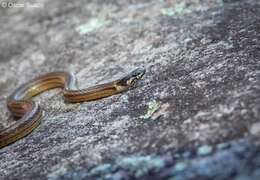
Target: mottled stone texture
{"x":195,"y":115}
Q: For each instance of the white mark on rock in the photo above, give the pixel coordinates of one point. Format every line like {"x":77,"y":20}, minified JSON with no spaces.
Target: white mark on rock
{"x":255,"y":129}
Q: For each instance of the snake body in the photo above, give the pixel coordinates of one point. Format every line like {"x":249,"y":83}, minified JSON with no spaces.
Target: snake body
{"x":29,"y":113}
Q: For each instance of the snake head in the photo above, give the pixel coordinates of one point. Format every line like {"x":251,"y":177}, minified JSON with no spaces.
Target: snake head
{"x":131,"y":78}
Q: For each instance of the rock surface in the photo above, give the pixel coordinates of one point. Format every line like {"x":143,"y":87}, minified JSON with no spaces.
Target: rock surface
{"x":195,"y":114}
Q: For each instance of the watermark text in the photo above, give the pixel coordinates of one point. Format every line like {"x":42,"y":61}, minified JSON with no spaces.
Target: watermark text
{"x":21,"y":5}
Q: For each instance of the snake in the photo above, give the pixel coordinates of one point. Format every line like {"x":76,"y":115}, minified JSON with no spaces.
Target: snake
{"x":28,"y":113}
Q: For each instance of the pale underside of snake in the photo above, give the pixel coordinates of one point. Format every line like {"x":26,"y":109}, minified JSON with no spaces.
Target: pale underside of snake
{"x":21,"y":106}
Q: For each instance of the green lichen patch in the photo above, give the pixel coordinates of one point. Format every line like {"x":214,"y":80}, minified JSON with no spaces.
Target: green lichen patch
{"x":153,"y":106}
{"x":204,"y":150}
{"x":140,"y":165}
{"x":92,"y":25}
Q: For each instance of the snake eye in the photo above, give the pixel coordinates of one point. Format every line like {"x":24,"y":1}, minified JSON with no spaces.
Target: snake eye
{"x":131,"y":81}
{"x":132,"y":77}
{"x":138,"y":73}
{"x":135,"y":76}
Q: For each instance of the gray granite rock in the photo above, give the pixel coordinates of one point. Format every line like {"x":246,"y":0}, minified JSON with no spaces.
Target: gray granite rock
{"x":195,"y":115}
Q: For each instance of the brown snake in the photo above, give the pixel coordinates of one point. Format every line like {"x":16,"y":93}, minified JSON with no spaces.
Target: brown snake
{"x":21,"y":106}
